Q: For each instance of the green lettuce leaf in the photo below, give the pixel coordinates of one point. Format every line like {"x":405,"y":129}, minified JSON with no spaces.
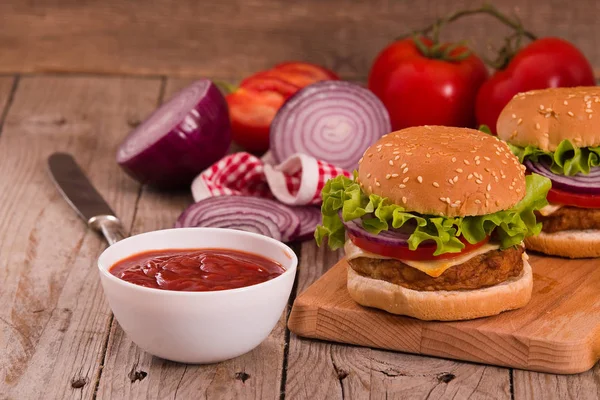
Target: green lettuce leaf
{"x":344,"y":200}
{"x":567,"y":159}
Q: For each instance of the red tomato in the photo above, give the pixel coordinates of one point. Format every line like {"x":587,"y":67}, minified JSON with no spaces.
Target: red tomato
{"x":544,"y":63}
{"x":418,"y":90}
{"x":254,"y":104}
{"x":573,"y":199}
{"x":423,"y":252}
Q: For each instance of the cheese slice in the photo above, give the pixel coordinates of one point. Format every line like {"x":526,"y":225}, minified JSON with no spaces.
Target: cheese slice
{"x":550,"y":209}
{"x":433,"y":268}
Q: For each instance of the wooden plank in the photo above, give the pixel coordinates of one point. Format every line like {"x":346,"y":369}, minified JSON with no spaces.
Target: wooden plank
{"x":54,"y":318}
{"x":536,"y":385}
{"x":236,"y":37}
{"x":130,"y":373}
{"x":340,"y":371}
{"x":8,"y":85}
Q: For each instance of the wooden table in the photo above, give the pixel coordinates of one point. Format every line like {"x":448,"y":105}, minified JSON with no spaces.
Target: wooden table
{"x":58,"y":338}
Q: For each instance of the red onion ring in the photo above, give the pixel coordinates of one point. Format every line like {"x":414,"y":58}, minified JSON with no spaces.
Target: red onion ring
{"x":333,"y":121}
{"x":255,"y":214}
{"x":388,"y":238}
{"x":579,"y":183}
{"x":310,"y":217}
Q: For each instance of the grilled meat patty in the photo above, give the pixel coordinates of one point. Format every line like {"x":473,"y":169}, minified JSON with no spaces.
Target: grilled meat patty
{"x":481,"y":271}
{"x":568,"y":218}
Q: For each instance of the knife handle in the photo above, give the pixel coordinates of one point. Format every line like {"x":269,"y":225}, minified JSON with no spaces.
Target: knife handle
{"x":109,"y":226}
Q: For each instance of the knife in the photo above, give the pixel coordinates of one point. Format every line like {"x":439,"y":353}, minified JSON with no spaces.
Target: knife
{"x":79,"y":192}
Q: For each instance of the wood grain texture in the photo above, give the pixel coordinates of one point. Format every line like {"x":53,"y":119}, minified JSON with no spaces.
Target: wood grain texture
{"x":536,"y":385}
{"x":322,"y":370}
{"x":130,"y":373}
{"x":558,"y":331}
{"x":54,"y":318}
{"x":235,"y":37}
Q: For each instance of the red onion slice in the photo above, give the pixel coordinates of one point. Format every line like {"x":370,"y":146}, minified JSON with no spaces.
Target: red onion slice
{"x":180,"y":139}
{"x":310,"y":217}
{"x":389,"y":237}
{"x":333,"y":121}
{"x":579,"y":183}
{"x":266,"y":216}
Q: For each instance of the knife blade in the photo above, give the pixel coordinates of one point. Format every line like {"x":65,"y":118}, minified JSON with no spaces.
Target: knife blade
{"x":83,"y":197}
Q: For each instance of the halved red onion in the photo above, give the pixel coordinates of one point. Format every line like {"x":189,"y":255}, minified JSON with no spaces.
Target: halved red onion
{"x":180,"y":139}
{"x":254,"y":214}
{"x":333,"y":121}
{"x":579,"y":183}
{"x":389,"y":237}
{"x":310,"y":217}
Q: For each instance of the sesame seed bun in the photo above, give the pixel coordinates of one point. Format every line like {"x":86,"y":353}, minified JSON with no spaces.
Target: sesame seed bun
{"x":570,"y":244}
{"x":442,"y":305}
{"x":438,"y":170}
{"x":544,"y":118}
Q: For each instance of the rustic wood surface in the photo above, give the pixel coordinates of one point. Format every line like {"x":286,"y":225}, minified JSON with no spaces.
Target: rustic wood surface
{"x":57,"y":336}
{"x":556,"y":332}
{"x":234,"y":37}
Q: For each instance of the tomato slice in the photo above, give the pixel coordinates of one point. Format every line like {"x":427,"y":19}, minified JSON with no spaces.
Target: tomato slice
{"x":316,"y":71}
{"x":258,"y":83}
{"x":573,"y":199}
{"x":422,"y":253}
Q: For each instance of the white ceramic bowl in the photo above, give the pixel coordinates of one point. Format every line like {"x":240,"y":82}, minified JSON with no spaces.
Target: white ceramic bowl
{"x":198,"y":327}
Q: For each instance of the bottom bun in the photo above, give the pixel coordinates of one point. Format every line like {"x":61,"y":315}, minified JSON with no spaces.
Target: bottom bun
{"x":572,"y":244}
{"x":442,"y":305}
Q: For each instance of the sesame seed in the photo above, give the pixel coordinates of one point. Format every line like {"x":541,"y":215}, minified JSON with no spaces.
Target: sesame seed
{"x":388,"y":145}
{"x":453,"y":159}
{"x":514,"y":116}
{"x":590,"y":116}
{"x":370,"y":154}
{"x":477,"y":162}
{"x":578,"y":139}
{"x":403,"y":199}
{"x":448,"y":200}
{"x":571,"y":113}
{"x":478,"y":181}
{"x":486,"y":158}
{"x":589,"y":110}
{"x":377,"y":183}
{"x":486,"y":203}
{"x":566,"y":103}
{"x":497,"y":202}
{"x":518,"y":190}
{"x":401,"y":186}
{"x":497,"y":153}
{"x":469,"y":176}
{"x":496,"y":178}
{"x":489,"y":187}
{"x":396,"y":152}
{"x":388,"y":176}
{"x":370,"y":188}
{"x":394,"y":175}
{"x":487,"y":195}
{"x":443,"y":199}
{"x":455,"y":179}
{"x":396,"y":158}
{"x":378,"y":149}
{"x":405,"y":179}
{"x":459,"y":170}
{"x":586,"y":98}
{"x":476,"y":158}
{"x":546,"y":134}
{"x":360,"y":161}
{"x":541,"y":106}
{"x":391,"y":162}
{"x":477,"y":201}
{"x":428,"y":155}
{"x":537,"y":126}
{"x":504,"y":162}
{"x":450,"y":181}
{"x":420,"y":179}
{"x":511,"y":187}
{"x":436,"y":184}
{"x":403,"y":165}
{"x":368,"y":176}
{"x":405,"y":170}
{"x":466,"y":162}
{"x":520,"y":121}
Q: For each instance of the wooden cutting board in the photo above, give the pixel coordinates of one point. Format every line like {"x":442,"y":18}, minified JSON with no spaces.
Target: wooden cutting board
{"x":557,"y":332}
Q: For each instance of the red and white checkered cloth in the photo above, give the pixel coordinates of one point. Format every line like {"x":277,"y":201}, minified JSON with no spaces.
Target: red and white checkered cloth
{"x":296,"y":181}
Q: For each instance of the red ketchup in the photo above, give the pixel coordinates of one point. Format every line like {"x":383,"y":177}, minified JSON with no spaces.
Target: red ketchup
{"x":196,"y":270}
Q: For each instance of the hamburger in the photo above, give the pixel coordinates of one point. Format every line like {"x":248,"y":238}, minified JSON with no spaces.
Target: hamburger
{"x":556,"y":133}
{"x":433,"y":224}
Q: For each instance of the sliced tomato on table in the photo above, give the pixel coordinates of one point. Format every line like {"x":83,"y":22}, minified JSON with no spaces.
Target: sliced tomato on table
{"x":254,"y":104}
{"x":573,"y":199}
{"x":422,"y":253}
